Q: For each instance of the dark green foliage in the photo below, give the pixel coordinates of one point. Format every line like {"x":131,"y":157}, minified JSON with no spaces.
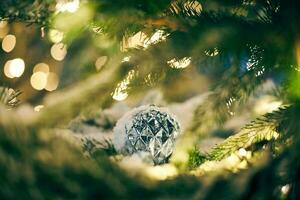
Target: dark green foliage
{"x":196,"y":158}
{"x":30,"y":11}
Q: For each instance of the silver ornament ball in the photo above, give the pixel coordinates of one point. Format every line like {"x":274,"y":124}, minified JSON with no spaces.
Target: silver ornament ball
{"x":147,"y":129}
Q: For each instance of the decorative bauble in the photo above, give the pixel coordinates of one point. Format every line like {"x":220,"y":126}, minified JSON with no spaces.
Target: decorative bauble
{"x":147,"y":129}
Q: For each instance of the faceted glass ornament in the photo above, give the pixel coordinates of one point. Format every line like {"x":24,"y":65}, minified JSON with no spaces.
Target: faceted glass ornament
{"x":147,"y":129}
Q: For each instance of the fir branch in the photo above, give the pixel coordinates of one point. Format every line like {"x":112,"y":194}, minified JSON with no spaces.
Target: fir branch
{"x":262,"y":129}
{"x":28,"y":11}
{"x":8,"y":97}
{"x":93,"y":146}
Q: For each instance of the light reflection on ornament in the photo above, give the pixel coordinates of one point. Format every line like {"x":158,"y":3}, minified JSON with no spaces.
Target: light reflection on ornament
{"x":9,"y":43}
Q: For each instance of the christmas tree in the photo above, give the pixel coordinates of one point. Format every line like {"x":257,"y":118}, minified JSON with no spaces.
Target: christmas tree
{"x":216,"y":84}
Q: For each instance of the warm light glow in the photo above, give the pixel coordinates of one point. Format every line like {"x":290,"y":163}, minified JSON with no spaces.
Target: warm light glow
{"x":9,"y":43}
{"x":38,"y":80}
{"x":140,"y":39}
{"x":41,"y":67}
{"x":67,"y":6}
{"x":126,"y":59}
{"x":55,"y":36}
{"x":6,"y":69}
{"x":158,"y":36}
{"x":285,"y":189}
{"x":242,"y":152}
{"x":180,"y":64}
{"x":100,"y":62}
{"x":14,"y":68}
{"x":52,"y":82}
{"x":3,"y":29}
{"x":161,"y":172}
{"x":3,"y":24}
{"x":38,"y":108}
{"x":120,"y":92}
{"x":266,"y":104}
{"x":59,"y":51}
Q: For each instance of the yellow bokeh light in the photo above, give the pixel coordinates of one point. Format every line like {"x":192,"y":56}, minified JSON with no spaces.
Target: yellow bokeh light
{"x":55,"y":36}
{"x":4,"y":31}
{"x":14,"y":68}
{"x":9,"y":43}
{"x":41,"y":67}
{"x":100,"y":62}
{"x":38,"y":80}
{"x":67,"y":6}
{"x":161,"y":172}
{"x":59,"y":51}
{"x":52,"y":82}
{"x":3,"y":24}
{"x":38,"y":108}
{"x":6,"y":69}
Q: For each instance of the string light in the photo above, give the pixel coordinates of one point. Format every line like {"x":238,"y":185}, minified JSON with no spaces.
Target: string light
{"x":9,"y":43}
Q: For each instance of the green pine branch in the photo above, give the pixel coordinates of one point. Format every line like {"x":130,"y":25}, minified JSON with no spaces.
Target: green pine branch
{"x":265,"y":128}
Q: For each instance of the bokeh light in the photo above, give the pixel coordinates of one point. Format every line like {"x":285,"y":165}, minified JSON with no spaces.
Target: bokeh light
{"x":38,"y":108}
{"x":59,"y":51}
{"x":6,"y":69}
{"x":52,"y":82}
{"x":14,"y":68}
{"x":55,"y":36}
{"x":41,"y":67}
{"x":38,"y":80}
{"x":9,"y":43}
{"x":4,"y":29}
{"x":100,"y":62}
{"x":67,"y":6}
